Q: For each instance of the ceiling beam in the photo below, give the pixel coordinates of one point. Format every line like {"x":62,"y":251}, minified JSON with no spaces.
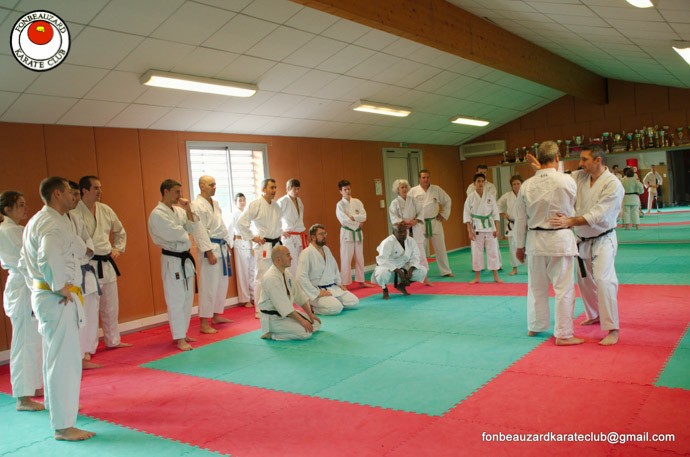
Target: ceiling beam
{"x":446,"y":27}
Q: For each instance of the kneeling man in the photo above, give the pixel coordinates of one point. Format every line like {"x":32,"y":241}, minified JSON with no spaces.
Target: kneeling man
{"x":398,"y":262}
{"x":279,"y":318}
{"x":318,"y":276}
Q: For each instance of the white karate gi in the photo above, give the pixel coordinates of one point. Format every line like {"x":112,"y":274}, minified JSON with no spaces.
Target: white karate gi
{"x":427,"y":205}
{"x":351,"y":238}
{"x":599,"y":204}
{"x":211,"y":234}
{"x":652,"y":179}
{"x":49,"y":256}
{"x":245,"y":262}
{"x":551,"y":252}
{"x":316,"y":273}
{"x":392,"y":255}
{"x":88,"y":334}
{"x":292,"y":223}
{"x":100,"y":228}
{"x":485,"y":207}
{"x":488,"y":187}
{"x":169,"y":228}
{"x":262,"y":219}
{"x":506,"y":205}
{"x":279,"y":294}
{"x":631,"y":200}
{"x":26,"y":357}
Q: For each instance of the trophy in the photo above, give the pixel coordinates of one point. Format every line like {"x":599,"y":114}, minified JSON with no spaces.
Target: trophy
{"x":523,"y":154}
{"x":664,"y":135}
{"x":651,"y":131}
{"x":681,"y":138}
{"x":567,"y":148}
{"x":672,"y":140}
{"x":505,"y":157}
{"x":628,"y":141}
{"x":517,"y":155}
{"x":558,"y":143}
{"x":606,"y":141}
{"x":638,"y":140}
{"x":618,"y":143}
{"x":535,"y":149}
{"x":662,"y":139}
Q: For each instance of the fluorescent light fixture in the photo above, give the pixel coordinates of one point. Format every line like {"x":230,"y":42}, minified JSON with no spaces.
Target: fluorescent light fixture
{"x":380,"y":108}
{"x":682,"y":48}
{"x":469,"y":121}
{"x":197,"y":84}
{"x":641,"y":3}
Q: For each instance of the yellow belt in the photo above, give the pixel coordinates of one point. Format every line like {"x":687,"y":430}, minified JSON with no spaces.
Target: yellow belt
{"x":42,"y":285}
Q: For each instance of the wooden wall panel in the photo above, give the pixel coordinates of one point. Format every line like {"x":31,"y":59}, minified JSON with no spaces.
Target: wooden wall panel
{"x":650,"y":98}
{"x":119,"y":170}
{"x":70,"y":151}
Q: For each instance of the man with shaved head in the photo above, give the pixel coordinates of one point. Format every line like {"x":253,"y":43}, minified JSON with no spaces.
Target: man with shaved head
{"x":279,"y":318}
{"x":213,"y":244}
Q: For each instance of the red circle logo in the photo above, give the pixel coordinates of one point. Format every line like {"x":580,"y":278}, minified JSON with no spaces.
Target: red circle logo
{"x":40,"y":32}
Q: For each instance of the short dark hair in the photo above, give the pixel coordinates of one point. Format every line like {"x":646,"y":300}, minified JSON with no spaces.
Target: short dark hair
{"x":168,"y":184}
{"x":315,"y":228}
{"x":477,"y":176}
{"x":596,"y":150}
{"x":629,"y":172}
{"x":264,"y":183}
{"x":516,"y":177}
{"x":481,"y":166}
{"x":50,"y":185}
{"x":291,"y":183}
{"x":73,"y":185}
{"x":85,"y":183}
{"x":8,"y":199}
{"x":343,"y":183}
{"x":423,"y":170}
{"x":238,"y":195}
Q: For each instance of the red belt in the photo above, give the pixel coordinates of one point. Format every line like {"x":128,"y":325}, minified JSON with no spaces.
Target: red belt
{"x":303,"y":236}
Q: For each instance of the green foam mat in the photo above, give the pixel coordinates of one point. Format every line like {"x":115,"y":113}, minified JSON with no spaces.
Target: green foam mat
{"x":29,"y":434}
{"x":677,"y":371}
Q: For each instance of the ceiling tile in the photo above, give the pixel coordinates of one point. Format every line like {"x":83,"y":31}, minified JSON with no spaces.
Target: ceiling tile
{"x":6,"y":100}
{"x":117,"y":86}
{"x":628,"y":13}
{"x":280,"y":43}
{"x":345,"y":30}
{"x":310,"y":83}
{"x":562,"y":9}
{"x":308,"y":107}
{"x":102,"y":48}
{"x":245,"y":105}
{"x":214,"y":122}
{"x":345,"y":59}
{"x":315,"y":52}
{"x":311,"y":20}
{"x":154,"y":54}
{"x":240,"y":34}
{"x":67,"y":80}
{"x":162,"y":97}
{"x":230,"y":5}
{"x":69,"y":10}
{"x":402,"y":47}
{"x":248,"y":124}
{"x":135,"y":16}
{"x":375,"y":39}
{"x":277,"y":11}
{"x":92,"y":112}
{"x":246,"y":69}
{"x":192,"y":24}
{"x":373,"y":65}
{"x":14,"y":77}
{"x":38,"y":109}
{"x":280,"y":76}
{"x":138,"y":116}
{"x":339,"y":88}
{"x":179,"y":119}
{"x":397,"y":71}
{"x":206,"y":102}
{"x":277,"y":105}
{"x":204,"y":62}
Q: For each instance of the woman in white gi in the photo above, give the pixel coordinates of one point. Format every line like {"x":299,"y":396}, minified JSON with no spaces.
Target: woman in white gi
{"x":631,"y":201}
{"x":506,"y":207}
{"x":245,"y":262}
{"x":480,"y":215}
{"x":403,"y":210}
{"x":25,"y":354}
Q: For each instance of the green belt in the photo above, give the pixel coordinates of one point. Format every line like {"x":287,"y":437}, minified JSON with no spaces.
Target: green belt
{"x":429,"y":229}
{"x":354,"y":233}
{"x":486,"y":220}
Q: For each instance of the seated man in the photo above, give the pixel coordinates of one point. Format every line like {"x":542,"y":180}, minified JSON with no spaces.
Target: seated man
{"x":398,"y":262}
{"x":279,"y":318}
{"x":318,"y":276}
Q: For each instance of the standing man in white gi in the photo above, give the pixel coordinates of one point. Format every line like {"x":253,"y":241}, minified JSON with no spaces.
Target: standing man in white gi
{"x":351,"y":215}
{"x":169,"y":228}
{"x":599,"y":198}
{"x":488,"y":186}
{"x":294,"y":236}
{"x":480,"y":215}
{"x":279,"y":318}
{"x":213,"y":244}
{"x":398,"y":262}
{"x":102,"y":222}
{"x":49,"y":261}
{"x":260,"y":223}
{"x":318,"y":276}
{"x":551,"y":251}
{"x":88,"y":334}
{"x":26,"y":357}
{"x":506,"y":208}
{"x":652,"y":181}
{"x":245,"y":262}
{"x":433,"y":206}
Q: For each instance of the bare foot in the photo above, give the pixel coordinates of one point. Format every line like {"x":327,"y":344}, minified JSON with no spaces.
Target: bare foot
{"x":449,"y":275}
{"x":207,"y":329}
{"x":513,"y":272}
{"x":498,"y":280}
{"x":610,"y":339}
{"x":531,"y":333}
{"x":189,"y":339}
{"x":569,"y":341}
{"x":86,"y":365}
{"x":427,"y":283}
{"x":73,"y":434}
{"x":365,"y":285}
{"x":474,"y":281}
{"x":590,"y":321}
{"x":403,"y":290}
{"x":267,"y":336}
{"x":27,"y":404}
{"x":220,"y":320}
{"x":183,"y":345}
{"x":87,"y":356}
{"x":121,"y":345}
{"x":257,"y":315}
{"x":386,"y":295}
{"x":249,"y":305}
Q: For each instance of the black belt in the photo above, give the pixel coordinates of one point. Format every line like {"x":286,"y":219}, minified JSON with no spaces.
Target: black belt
{"x":327,"y":286}
{"x":270,"y":312}
{"x":274,"y":241}
{"x":510,"y":224}
{"x":84,"y":269}
{"x":580,"y":262}
{"x":183,"y":256}
{"x":547,"y":229}
{"x":631,"y":193}
{"x":105,"y":258}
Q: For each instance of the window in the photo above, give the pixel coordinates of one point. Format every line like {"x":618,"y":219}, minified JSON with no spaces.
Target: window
{"x":236,"y":167}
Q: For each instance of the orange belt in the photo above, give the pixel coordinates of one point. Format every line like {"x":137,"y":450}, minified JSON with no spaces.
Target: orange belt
{"x":303,"y":237}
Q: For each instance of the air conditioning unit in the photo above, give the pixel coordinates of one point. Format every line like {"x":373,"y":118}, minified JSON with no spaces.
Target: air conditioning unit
{"x":485,"y":148}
